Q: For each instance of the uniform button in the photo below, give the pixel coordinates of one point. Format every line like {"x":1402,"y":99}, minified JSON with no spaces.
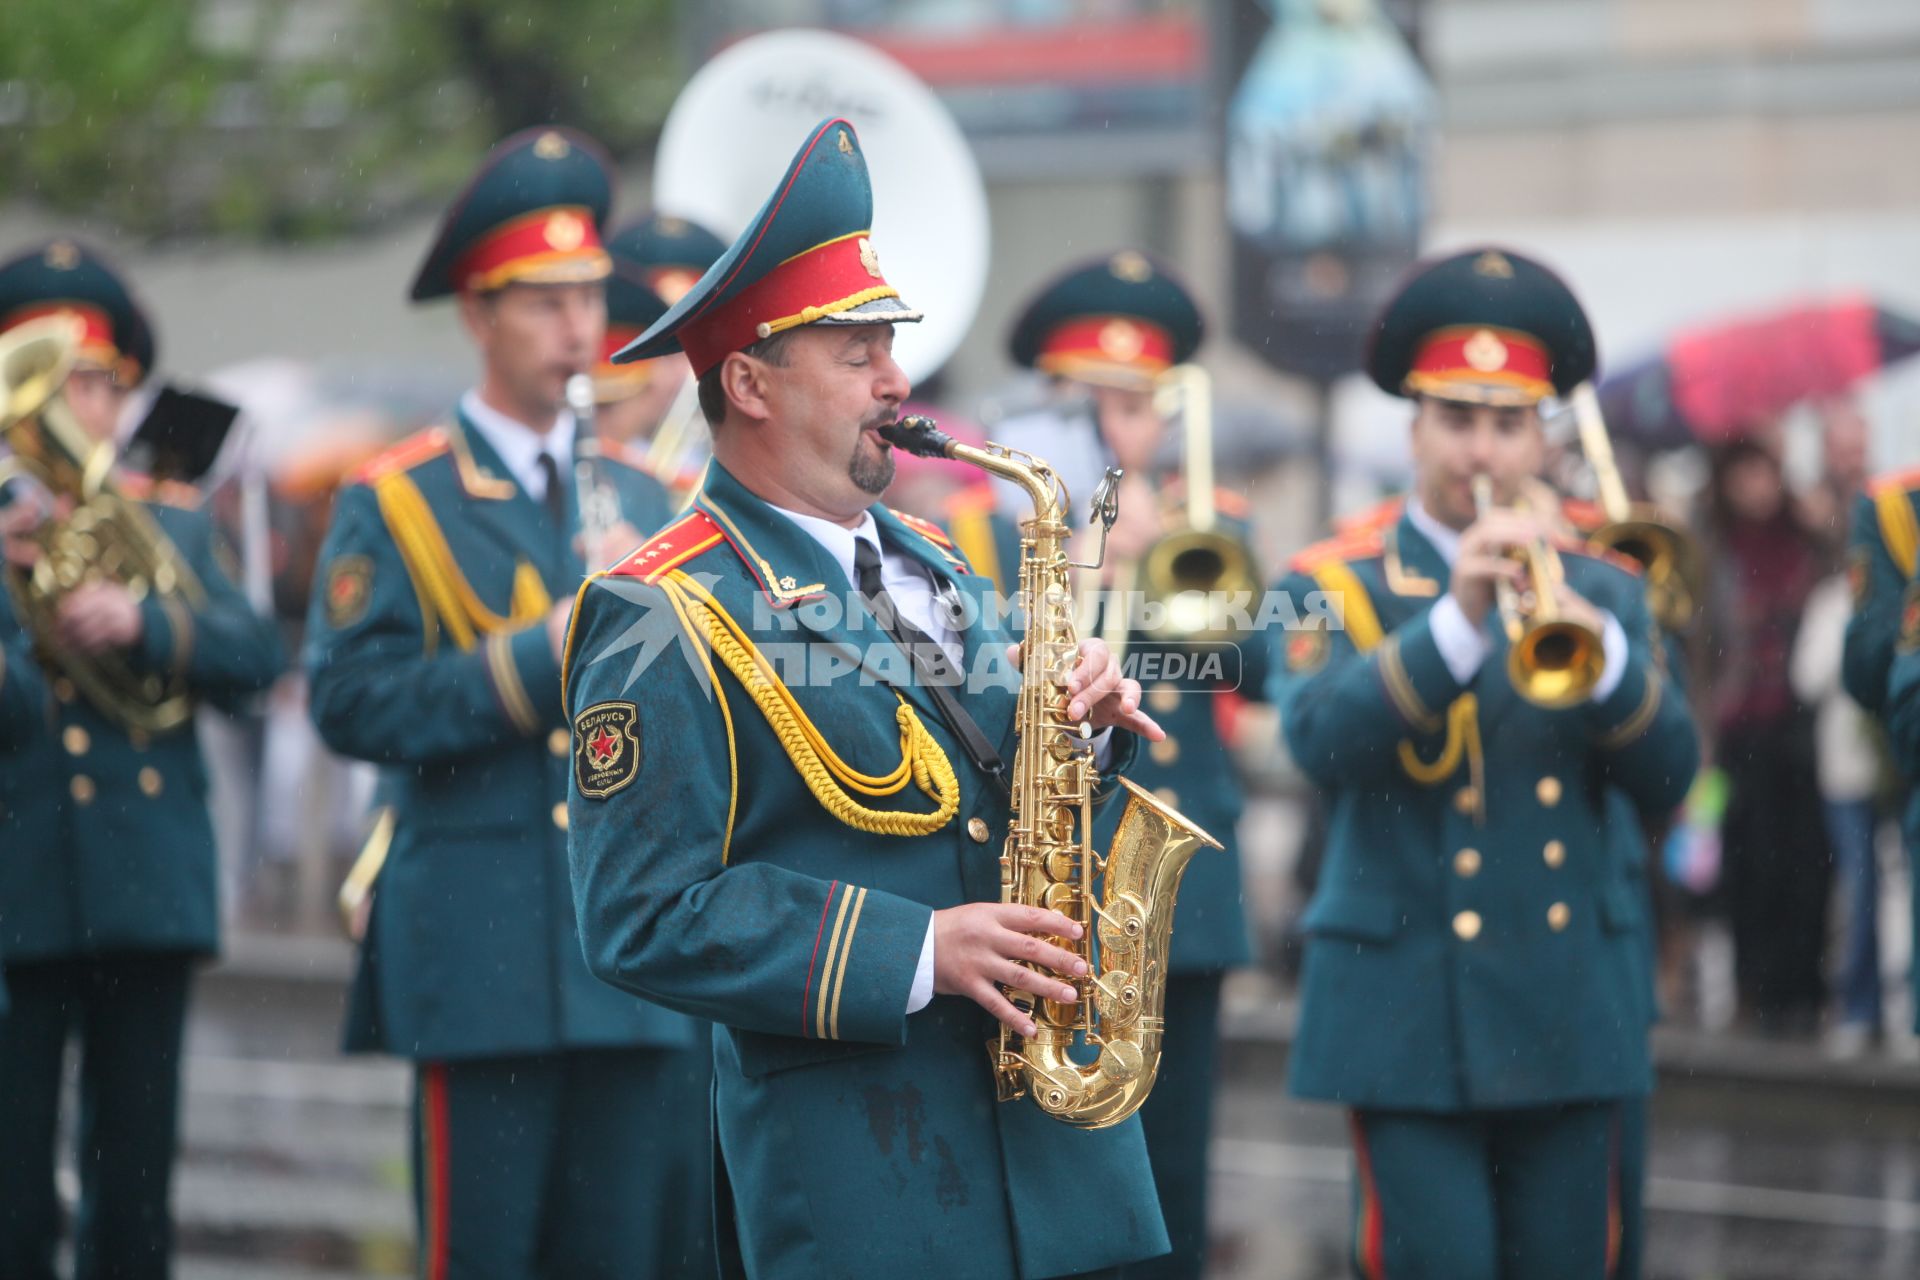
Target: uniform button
{"x":560,"y":815}
{"x":1466,"y":925}
{"x":1167,"y":796}
{"x":1466,"y":800}
{"x":1548,"y":790}
{"x":977,"y":828}
{"x":1163,"y":697}
{"x":1466,"y":863}
{"x":150,"y":784}
{"x":75,"y":739}
{"x":1555,"y":853}
{"x":81,"y":788}
{"x":1557,"y":916}
{"x":559,"y":742}
{"x":1165,"y":751}
{"x":63,"y":689}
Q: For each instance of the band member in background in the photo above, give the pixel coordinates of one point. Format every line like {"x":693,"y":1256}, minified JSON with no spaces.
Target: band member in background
{"x":827,"y":890}
{"x":1106,"y":332}
{"x":560,"y":1123}
{"x":108,"y":883}
{"x":655,"y":261}
{"x":1474,"y":988}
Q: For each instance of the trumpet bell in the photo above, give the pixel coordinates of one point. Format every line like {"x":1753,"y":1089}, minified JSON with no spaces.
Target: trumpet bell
{"x":1193,"y":575}
{"x":1556,"y":664}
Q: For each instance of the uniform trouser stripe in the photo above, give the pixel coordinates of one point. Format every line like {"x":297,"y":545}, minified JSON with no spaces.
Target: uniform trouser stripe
{"x":1369,"y":1230}
{"x":436,"y":1201}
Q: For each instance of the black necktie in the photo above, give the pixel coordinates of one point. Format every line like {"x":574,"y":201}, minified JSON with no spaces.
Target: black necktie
{"x":930,"y":660}
{"x":556,"y":498}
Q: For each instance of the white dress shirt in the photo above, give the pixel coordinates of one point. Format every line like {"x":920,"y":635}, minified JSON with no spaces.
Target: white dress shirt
{"x":1464,"y":646}
{"x":520,"y":445}
{"x":912,"y":589}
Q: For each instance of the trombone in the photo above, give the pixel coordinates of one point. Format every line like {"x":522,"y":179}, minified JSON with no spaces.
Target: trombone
{"x":1195,"y":570}
{"x":1553,"y":662}
{"x":1635,"y":529}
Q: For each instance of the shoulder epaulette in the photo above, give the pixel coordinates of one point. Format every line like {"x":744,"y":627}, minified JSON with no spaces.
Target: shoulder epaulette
{"x":973,"y":498}
{"x":167,"y":493}
{"x":925,"y":528}
{"x":1618,"y":559}
{"x":627,"y":455}
{"x":670,"y":548}
{"x":1583,"y":515}
{"x":1378,"y":516}
{"x":1230,"y":502}
{"x":1358,"y":544}
{"x":1905,"y":480}
{"x":408,"y":454}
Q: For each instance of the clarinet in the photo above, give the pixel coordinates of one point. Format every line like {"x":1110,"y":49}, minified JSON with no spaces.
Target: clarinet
{"x":599,"y":502}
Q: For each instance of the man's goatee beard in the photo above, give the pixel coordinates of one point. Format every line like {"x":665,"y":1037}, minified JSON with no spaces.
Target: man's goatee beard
{"x":872,"y":475}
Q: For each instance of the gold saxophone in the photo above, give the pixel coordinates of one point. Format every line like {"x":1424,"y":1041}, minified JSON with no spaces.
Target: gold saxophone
{"x":1123,"y":900}
{"x":106,"y":536}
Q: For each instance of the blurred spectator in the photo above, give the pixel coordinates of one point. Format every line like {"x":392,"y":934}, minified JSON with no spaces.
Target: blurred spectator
{"x":1774,"y":843}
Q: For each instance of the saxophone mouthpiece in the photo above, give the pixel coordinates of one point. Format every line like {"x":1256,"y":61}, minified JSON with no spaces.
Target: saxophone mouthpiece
{"x":918,"y":436}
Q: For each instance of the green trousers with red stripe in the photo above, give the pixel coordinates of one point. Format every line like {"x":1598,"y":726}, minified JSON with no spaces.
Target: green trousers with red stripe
{"x":585,"y":1164}
{"x":1488,"y":1195}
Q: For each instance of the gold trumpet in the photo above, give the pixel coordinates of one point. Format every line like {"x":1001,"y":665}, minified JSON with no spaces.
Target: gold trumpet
{"x":106,"y":537}
{"x":1194,"y":571}
{"x":1635,"y":529}
{"x":1552,"y":661}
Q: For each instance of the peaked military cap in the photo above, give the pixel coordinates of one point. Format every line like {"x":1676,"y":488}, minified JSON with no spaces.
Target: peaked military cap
{"x":62,"y":277}
{"x":806,"y":258}
{"x":655,"y":261}
{"x":532,"y":214}
{"x":1487,"y":326}
{"x":1122,"y":318}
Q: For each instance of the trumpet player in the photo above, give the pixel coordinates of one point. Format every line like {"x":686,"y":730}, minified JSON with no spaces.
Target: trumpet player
{"x":1106,"y":332}
{"x":1473,"y":990}
{"x":107,"y":885}
{"x":559,"y":1122}
{"x":788,"y":814}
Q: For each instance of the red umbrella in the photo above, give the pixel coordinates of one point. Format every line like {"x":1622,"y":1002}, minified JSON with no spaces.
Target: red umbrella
{"x":1717,"y":383}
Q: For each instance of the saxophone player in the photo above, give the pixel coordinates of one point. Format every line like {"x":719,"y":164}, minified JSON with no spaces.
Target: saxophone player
{"x":1106,"y":332}
{"x":558,"y":1121}
{"x":807,"y":854}
{"x":1474,"y":989}
{"x":108,"y":884}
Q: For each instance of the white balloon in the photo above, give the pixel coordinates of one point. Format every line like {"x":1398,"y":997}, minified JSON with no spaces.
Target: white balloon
{"x":736,"y":125}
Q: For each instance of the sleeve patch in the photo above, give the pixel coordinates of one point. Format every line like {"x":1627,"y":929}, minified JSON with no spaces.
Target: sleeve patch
{"x":349,"y":586}
{"x":606,"y":748}
{"x":1307,"y":650}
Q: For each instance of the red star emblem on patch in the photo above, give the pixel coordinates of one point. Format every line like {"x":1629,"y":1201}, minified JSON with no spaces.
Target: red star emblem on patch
{"x":603,"y":747}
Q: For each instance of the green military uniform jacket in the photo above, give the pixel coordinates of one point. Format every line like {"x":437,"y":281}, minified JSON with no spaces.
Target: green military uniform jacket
{"x":712,"y":877}
{"x":428,"y":655}
{"x":1877,"y":668}
{"x":1192,"y":769}
{"x":1472,"y":944}
{"x":110,"y":846}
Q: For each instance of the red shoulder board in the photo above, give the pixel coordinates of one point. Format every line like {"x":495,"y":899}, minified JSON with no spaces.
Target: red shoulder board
{"x":1583,"y":515}
{"x":974,"y":498}
{"x":670,"y":548}
{"x":1358,"y":544}
{"x":408,"y":454}
{"x":925,"y":528}
{"x":1903,"y":481}
{"x":167,"y":493}
{"x":1378,"y":516}
{"x":1231,"y":502}
{"x":625,"y":454}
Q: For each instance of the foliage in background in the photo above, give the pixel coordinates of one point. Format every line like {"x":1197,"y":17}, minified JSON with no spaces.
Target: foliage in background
{"x":299,"y":119}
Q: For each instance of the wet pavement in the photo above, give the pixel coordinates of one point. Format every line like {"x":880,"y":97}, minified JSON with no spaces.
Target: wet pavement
{"x":294,"y":1165}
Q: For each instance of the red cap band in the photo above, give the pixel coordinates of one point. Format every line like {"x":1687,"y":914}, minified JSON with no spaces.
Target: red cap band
{"x":558,"y":245}
{"x":824,"y":280}
{"x":1482,"y":364}
{"x":1092,"y":344}
{"x":96,"y":330}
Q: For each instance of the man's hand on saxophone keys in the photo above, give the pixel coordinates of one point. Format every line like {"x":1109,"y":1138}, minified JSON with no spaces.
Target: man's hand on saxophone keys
{"x":1101,"y":694}
{"x":979,"y":947}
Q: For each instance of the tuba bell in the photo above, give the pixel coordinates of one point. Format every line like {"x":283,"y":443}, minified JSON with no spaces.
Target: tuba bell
{"x":1193,"y":571}
{"x":105,"y":536}
{"x":1635,"y":529}
{"x":1552,"y":661}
